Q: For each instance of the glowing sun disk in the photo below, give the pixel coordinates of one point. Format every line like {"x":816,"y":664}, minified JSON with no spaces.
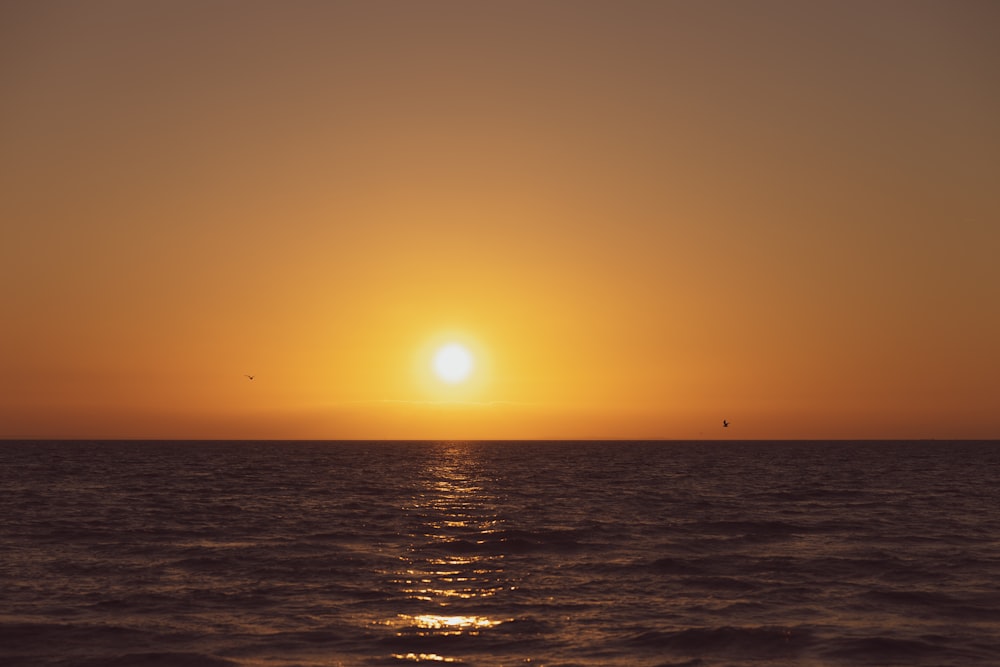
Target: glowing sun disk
{"x":452,"y":363}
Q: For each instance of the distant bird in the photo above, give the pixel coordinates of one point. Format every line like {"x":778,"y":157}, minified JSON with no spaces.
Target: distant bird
{"x":725,"y":424}
{"x":249,"y":376}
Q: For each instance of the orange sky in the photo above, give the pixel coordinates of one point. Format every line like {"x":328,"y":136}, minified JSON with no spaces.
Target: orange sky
{"x":641,"y":217}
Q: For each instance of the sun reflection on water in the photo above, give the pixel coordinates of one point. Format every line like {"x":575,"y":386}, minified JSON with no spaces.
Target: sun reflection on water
{"x":454,"y":558}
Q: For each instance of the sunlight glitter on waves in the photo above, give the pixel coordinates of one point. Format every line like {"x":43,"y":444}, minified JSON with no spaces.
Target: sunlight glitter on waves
{"x":462,"y":560}
{"x":423,"y":657}
{"x":483,"y":526}
{"x":448,"y":625}
{"x":436,"y":594}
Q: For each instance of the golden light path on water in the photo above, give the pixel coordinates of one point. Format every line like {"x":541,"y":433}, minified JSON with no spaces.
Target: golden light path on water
{"x":450,"y":564}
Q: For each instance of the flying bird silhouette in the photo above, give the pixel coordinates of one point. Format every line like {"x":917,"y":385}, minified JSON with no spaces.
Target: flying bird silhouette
{"x":725,"y":424}
{"x":249,"y":376}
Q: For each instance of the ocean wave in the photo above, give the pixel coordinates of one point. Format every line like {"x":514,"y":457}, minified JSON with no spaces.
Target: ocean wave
{"x":510,"y":542}
{"x":757,"y":641}
{"x":881,"y":650}
{"x":180,"y":659}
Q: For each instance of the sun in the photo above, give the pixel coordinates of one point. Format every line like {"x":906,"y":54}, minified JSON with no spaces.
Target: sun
{"x":452,"y":363}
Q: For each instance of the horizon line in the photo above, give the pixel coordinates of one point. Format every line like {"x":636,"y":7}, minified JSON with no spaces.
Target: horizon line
{"x":489,"y":440}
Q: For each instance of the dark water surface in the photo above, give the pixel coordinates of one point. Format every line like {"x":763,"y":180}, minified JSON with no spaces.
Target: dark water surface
{"x":568,"y":553}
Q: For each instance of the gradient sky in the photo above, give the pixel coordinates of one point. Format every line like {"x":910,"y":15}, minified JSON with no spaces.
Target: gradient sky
{"x":641,"y":217}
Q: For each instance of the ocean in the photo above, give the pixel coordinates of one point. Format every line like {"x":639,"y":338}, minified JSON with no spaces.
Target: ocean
{"x":213,"y":554}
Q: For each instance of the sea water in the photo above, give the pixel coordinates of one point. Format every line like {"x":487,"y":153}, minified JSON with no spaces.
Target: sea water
{"x":499,"y":553}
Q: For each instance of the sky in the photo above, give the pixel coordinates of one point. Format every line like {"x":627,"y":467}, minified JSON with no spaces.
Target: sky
{"x":638,"y":218}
